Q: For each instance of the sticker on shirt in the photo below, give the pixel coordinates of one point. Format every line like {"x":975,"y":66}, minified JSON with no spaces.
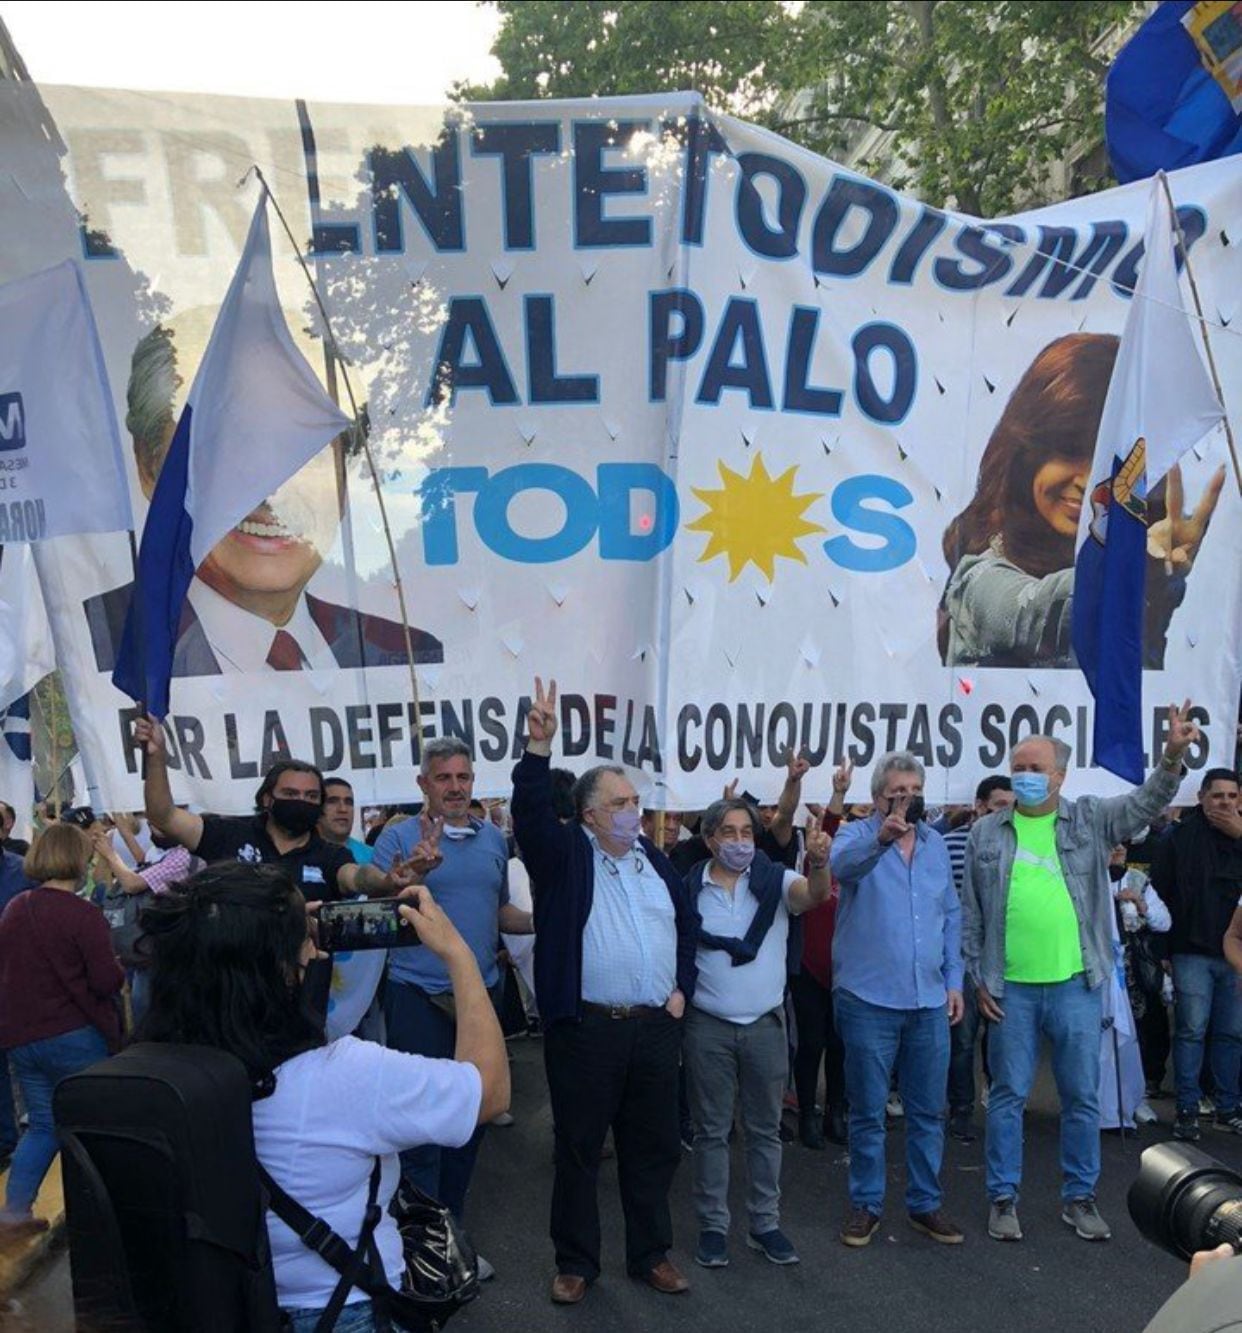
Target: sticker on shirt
{"x":312,"y":875}
{"x":250,"y":854}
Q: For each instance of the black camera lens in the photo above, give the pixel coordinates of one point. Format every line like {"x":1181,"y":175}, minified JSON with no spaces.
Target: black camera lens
{"x":1183,"y":1200}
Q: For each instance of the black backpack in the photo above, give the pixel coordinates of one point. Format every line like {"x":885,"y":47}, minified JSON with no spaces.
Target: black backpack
{"x":166,"y":1208}
{"x":163,"y":1201}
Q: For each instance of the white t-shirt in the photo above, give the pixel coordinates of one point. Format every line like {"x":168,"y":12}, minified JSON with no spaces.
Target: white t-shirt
{"x":335,"y":1109}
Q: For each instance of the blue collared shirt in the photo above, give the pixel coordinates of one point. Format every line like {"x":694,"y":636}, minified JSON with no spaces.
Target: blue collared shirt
{"x":898,"y":939}
{"x":741,"y":994}
{"x":629,"y":945}
{"x":470,"y":885}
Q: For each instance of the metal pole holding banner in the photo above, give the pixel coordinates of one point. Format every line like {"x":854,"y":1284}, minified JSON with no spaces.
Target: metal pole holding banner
{"x":360,"y":435}
{"x":1203,"y":328}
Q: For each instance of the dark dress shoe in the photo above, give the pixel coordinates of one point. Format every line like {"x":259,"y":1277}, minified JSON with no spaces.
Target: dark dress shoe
{"x":568,"y":1288}
{"x":810,"y":1132}
{"x":665,"y":1279}
{"x":836,"y":1128}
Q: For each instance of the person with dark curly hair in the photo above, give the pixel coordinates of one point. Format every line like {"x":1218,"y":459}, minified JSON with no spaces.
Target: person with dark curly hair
{"x":229,"y":949}
{"x":1011,"y":550}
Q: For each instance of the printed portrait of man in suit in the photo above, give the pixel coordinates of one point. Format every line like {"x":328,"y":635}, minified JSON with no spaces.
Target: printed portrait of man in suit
{"x":248,"y":608}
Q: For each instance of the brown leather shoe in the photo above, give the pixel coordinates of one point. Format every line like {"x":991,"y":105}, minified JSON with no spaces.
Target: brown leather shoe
{"x":859,"y":1227}
{"x":938,"y":1227}
{"x":568,"y":1288}
{"x":665,"y":1279}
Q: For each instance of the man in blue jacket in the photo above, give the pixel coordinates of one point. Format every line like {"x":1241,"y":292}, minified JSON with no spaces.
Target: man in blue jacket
{"x":614,"y":969}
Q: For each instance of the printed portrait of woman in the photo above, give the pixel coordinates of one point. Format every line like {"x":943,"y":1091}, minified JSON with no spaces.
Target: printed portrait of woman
{"x":1011,"y":550}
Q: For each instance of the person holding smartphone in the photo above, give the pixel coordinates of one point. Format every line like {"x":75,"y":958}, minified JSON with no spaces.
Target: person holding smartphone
{"x":897,"y":988}
{"x":242,"y":932}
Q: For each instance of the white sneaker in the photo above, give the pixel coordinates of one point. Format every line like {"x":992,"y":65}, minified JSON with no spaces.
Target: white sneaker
{"x":1207,"y":1106}
{"x":894,"y":1106}
{"x":1144,"y":1115}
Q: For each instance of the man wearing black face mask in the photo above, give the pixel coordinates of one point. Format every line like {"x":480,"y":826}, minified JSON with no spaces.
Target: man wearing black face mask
{"x":282,"y":829}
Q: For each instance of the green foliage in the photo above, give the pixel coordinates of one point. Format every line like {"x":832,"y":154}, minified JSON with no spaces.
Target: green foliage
{"x":976,"y":98}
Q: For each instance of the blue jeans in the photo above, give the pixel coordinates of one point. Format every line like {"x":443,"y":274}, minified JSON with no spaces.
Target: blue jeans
{"x":358,"y":1318}
{"x":916,"y":1043}
{"x":39,"y":1067}
{"x":8,"y":1111}
{"x":1205,"y":990}
{"x":1069,"y":1015}
{"x":417,"y":1026}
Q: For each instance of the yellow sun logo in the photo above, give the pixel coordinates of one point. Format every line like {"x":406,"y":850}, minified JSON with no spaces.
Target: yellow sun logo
{"x":754,"y":518}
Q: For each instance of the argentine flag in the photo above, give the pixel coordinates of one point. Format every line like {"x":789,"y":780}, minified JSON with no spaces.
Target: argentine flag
{"x":256,"y":413}
{"x":1160,"y":402}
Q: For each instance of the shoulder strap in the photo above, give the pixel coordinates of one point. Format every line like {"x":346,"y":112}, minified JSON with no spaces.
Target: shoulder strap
{"x":351,"y":1263}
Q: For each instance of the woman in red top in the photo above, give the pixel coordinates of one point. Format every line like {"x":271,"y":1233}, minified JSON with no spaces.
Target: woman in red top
{"x":58,"y":980}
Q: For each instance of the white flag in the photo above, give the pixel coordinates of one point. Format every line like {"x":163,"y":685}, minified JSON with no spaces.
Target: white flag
{"x":60,"y":452}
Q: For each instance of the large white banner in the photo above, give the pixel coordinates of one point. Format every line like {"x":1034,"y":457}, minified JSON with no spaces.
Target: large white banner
{"x":749,"y":452}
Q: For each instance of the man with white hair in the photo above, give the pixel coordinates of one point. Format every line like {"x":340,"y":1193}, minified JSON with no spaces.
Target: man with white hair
{"x":1038,"y":943}
{"x":614,"y":969}
{"x":897,"y":987}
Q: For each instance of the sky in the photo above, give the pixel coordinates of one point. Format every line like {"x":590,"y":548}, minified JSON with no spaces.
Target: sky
{"x":402,"y":53}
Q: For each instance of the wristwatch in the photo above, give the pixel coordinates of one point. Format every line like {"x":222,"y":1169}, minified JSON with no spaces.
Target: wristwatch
{"x":1172,"y":766}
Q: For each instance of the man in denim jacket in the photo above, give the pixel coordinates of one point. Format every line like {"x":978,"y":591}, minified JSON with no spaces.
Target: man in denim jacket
{"x":1037,"y":943}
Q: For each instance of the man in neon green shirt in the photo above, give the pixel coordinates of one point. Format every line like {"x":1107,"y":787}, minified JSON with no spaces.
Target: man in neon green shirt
{"x":1037,"y":923}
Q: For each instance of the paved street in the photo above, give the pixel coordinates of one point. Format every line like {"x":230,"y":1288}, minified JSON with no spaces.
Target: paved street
{"x":902,"y":1283}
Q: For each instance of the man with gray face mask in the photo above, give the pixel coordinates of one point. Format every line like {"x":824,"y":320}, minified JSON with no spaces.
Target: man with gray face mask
{"x":613,"y":972}
{"x":1037,"y":939}
{"x":736,"y":1047}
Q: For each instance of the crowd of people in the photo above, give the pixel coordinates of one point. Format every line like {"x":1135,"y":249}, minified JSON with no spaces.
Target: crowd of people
{"x":692,"y":975}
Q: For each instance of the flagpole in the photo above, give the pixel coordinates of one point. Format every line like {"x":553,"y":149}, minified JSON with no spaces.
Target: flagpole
{"x":1203,"y":328}
{"x":360,"y":433}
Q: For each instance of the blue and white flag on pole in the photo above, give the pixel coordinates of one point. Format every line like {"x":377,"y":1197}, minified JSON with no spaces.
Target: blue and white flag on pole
{"x":256,"y":414}
{"x":1160,"y":402}
{"x":60,"y":450}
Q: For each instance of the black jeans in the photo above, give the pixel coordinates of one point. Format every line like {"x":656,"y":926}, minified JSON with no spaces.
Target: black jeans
{"x":619,"y":1072}
{"x":817,"y":1040}
{"x":1155,"y":1038}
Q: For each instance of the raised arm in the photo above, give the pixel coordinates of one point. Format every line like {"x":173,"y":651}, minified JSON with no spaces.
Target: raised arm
{"x":782,"y":826}
{"x":129,"y":880}
{"x":1123,"y":816}
{"x":544,"y":840}
{"x":180,"y":825}
{"x":812,"y":889}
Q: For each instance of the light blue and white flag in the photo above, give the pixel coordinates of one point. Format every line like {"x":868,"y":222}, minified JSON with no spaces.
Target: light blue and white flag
{"x":26,"y":656}
{"x":60,"y":451}
{"x":256,"y":413}
{"x":1160,"y":402}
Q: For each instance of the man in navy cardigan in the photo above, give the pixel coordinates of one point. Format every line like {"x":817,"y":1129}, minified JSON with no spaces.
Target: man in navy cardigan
{"x":614,"y":967}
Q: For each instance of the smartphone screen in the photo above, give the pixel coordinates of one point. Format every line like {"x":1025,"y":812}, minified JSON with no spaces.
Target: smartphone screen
{"x":365,"y":924}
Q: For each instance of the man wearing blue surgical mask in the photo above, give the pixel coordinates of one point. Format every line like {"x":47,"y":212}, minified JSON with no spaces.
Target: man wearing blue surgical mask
{"x":1037,"y":942}
{"x":614,"y":969}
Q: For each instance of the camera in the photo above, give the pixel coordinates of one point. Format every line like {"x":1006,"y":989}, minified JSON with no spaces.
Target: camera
{"x":81,"y":815}
{"x":1183,"y":1200}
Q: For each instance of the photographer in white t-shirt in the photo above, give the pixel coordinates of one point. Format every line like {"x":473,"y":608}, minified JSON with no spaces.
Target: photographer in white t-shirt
{"x":228,"y":956}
